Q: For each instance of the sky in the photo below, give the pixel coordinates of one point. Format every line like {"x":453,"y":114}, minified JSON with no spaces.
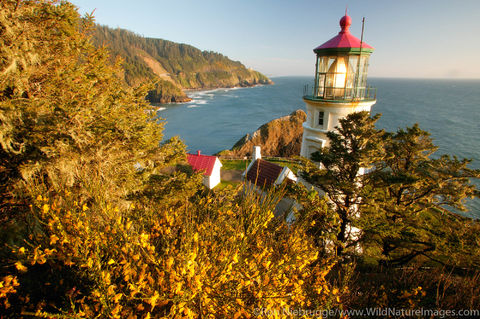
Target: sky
{"x":412,"y":38}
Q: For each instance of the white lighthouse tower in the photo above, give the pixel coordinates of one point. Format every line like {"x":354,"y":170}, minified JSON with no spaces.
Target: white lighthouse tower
{"x":340,"y":87}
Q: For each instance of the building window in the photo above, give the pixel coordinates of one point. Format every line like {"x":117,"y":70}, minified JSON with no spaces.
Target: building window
{"x":321,"y":117}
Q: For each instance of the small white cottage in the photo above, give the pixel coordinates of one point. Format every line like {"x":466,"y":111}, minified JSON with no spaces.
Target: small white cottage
{"x":210,"y":165}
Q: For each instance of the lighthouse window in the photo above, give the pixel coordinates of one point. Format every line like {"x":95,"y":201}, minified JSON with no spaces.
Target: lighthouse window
{"x":321,"y":116}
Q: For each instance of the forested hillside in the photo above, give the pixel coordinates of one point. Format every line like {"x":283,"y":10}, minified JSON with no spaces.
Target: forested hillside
{"x":173,"y":66}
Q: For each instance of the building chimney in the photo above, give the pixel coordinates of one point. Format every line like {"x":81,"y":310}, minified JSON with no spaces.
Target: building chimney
{"x":198,"y":152}
{"x":256,"y":154}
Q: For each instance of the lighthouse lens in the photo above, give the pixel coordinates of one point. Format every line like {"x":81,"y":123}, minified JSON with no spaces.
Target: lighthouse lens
{"x":336,"y":77}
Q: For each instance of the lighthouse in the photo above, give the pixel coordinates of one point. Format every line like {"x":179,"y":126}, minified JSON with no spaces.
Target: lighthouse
{"x":340,"y":86}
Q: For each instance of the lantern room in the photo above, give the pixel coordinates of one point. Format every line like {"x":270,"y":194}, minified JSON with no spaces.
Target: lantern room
{"x":341,"y":68}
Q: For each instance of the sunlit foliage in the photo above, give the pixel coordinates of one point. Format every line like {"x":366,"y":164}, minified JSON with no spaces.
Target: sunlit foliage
{"x":220,"y":255}
{"x":100,"y":218}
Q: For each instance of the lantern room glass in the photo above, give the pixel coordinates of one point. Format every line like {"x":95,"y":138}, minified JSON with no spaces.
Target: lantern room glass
{"x":341,"y":77}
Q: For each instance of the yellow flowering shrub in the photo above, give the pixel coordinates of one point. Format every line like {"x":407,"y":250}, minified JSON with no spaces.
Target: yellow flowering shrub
{"x":216,"y":256}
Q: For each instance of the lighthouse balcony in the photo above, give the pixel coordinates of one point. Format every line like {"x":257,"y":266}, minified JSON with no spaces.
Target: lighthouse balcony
{"x":335,"y":94}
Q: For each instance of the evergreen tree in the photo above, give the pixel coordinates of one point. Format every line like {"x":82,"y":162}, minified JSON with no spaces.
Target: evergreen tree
{"x":354,"y":146}
{"x":66,"y":118}
{"x":407,"y":212}
{"x":400,"y":201}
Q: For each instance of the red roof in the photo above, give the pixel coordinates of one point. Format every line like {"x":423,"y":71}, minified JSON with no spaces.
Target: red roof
{"x":263,"y":173}
{"x":201,"y":162}
{"x":344,"y":39}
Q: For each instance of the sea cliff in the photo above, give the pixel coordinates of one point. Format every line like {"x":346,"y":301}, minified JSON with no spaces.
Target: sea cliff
{"x":280,"y":137}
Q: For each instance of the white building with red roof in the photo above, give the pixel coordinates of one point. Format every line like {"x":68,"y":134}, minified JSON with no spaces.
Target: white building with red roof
{"x":209,"y":165}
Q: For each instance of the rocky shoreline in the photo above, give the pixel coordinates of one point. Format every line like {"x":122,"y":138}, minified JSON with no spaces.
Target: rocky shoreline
{"x":186,"y":98}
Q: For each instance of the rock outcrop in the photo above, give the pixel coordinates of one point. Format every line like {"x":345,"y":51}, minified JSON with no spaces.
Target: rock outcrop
{"x":167,"y":92}
{"x":280,"y":137}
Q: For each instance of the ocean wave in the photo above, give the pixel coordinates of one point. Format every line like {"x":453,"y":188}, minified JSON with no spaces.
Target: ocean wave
{"x":213,"y":91}
{"x":192,"y":106}
{"x":210,"y":91}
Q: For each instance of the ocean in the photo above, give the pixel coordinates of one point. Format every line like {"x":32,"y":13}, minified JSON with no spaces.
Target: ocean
{"x":214,"y":120}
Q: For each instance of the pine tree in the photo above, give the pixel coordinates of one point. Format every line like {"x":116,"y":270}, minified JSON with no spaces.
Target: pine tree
{"x":412,"y":190}
{"x":66,"y":118}
{"x":392,"y":188}
{"x":354,"y":146}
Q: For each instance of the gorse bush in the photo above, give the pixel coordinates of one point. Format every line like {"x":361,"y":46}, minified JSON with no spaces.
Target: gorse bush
{"x":414,"y":288}
{"x":221,"y":256}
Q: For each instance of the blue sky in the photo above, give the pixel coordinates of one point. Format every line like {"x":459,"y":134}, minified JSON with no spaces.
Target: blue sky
{"x":412,"y":38}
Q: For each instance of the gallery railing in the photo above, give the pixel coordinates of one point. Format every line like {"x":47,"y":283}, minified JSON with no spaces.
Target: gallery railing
{"x":339,"y":94}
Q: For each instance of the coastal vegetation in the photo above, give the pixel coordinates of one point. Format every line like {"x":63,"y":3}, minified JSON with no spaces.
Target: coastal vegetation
{"x":102,"y":217}
{"x":389,"y":209}
{"x":100,"y":220}
{"x":396,"y":193}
